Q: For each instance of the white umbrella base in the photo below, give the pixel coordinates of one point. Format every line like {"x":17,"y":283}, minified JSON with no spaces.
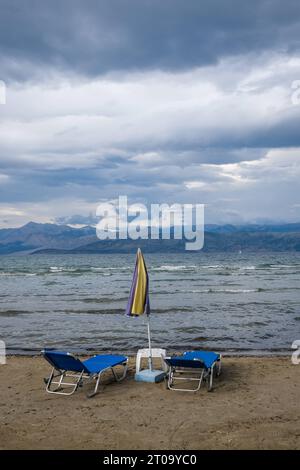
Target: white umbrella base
{"x":148,"y":375}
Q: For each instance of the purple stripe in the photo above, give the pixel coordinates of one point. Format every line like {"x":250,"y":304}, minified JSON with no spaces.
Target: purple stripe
{"x":132,"y":291}
{"x":147,"y":300}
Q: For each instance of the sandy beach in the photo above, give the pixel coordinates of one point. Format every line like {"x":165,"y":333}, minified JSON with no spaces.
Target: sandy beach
{"x":254,"y":405}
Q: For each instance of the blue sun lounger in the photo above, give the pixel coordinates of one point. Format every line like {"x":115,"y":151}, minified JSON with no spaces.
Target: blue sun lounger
{"x":193,"y":366}
{"x":65,"y":366}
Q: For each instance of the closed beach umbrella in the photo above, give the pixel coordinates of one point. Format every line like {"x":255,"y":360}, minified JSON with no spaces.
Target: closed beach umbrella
{"x":138,"y":302}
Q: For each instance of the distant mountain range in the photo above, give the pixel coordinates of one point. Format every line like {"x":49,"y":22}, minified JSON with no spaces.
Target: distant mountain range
{"x":35,"y":238}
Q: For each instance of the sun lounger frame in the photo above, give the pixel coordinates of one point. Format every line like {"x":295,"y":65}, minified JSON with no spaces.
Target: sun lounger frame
{"x":189,"y":374}
{"x":79,"y":377}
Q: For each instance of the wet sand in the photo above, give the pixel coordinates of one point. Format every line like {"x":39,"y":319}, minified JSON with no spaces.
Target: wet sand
{"x":255,"y":405}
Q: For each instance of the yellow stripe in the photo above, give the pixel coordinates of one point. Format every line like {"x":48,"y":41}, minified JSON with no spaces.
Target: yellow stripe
{"x":140,"y":291}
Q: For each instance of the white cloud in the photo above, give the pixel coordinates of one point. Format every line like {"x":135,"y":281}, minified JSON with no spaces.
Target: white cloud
{"x":156,"y":136}
{"x":23,"y":212}
{"x":75,"y":123}
{"x":3,"y":178}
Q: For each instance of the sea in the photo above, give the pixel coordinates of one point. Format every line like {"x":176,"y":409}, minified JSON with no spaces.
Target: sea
{"x":231,"y":303}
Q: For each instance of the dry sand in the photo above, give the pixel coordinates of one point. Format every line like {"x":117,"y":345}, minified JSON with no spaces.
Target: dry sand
{"x":255,"y":405}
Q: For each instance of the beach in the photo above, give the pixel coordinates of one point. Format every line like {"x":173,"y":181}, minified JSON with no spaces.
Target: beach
{"x":254,"y":405}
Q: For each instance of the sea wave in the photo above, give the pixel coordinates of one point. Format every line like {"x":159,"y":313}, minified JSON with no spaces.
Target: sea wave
{"x":169,"y":267}
{"x":16,"y":273}
{"x":225,"y":291}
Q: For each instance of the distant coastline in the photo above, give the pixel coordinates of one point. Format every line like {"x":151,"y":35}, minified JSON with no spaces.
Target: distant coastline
{"x":34,"y":238}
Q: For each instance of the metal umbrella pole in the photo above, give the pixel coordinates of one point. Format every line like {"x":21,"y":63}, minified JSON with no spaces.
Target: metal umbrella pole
{"x":149,"y":342}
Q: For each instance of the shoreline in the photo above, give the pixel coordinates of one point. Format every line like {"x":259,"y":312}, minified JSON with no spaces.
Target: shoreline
{"x":131,"y":354}
{"x":254,"y":405}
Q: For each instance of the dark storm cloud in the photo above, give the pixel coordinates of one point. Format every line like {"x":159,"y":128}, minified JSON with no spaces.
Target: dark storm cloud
{"x":92,"y":37}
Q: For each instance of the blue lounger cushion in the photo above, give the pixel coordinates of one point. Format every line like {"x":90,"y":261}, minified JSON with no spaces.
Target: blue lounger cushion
{"x":94,"y":365}
{"x":207,"y":357}
{"x":98,"y":363}
{"x":63,"y":361}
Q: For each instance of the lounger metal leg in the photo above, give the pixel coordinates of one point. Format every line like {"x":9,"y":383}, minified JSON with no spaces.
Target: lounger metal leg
{"x":209,"y":378}
{"x":219,"y":367}
{"x":214,"y":370}
{"x":119,"y":379}
{"x":172,"y":378}
{"x":61,"y":375}
{"x":90,"y":395}
{"x":49,"y":379}
{"x":60,"y":381}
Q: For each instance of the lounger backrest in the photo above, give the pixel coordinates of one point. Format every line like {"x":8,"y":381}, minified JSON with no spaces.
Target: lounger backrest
{"x":64,"y":361}
{"x":208,"y":357}
{"x":181,"y":362}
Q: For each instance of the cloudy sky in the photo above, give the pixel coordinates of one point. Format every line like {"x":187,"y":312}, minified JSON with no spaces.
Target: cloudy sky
{"x":163,"y":101}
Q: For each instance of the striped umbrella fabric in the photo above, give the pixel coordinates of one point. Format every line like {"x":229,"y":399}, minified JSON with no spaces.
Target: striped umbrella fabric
{"x":138,"y":302}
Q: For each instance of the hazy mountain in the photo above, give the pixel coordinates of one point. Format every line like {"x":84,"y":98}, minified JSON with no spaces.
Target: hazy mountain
{"x":270,"y":228}
{"x":34,"y":236}
{"x":52,"y":238}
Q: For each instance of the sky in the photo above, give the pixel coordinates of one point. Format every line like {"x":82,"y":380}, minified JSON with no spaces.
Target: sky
{"x":169,"y":101}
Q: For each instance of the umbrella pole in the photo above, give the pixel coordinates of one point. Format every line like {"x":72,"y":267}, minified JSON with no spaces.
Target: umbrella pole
{"x":149,"y":341}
